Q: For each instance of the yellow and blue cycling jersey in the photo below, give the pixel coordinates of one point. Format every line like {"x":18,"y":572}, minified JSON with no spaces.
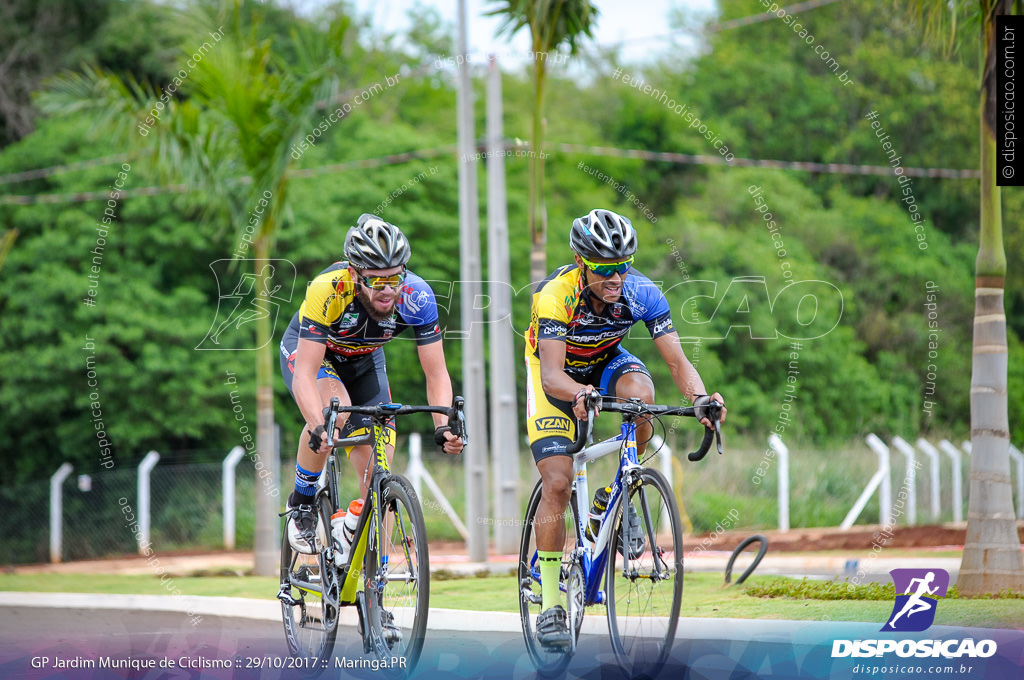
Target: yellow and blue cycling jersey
{"x":594,"y":354}
{"x":561,"y":310}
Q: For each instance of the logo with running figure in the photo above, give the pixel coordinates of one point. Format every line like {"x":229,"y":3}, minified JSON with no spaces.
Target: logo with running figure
{"x":914,"y":609}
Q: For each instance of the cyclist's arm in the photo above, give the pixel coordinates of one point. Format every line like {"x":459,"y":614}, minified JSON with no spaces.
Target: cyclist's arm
{"x":554,"y":380}
{"x":684,"y":374}
{"x":439,"y":388}
{"x":309,"y":356}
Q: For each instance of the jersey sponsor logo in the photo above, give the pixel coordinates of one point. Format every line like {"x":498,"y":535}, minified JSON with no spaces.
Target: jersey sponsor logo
{"x":349,"y":319}
{"x":617,"y":310}
{"x":554,"y":448}
{"x":555,"y":328}
{"x":556,"y":423}
{"x":662,"y":327}
{"x":327,"y":304}
{"x":580,"y":363}
{"x":313,"y":330}
{"x":594,"y":338}
{"x":415,"y":301}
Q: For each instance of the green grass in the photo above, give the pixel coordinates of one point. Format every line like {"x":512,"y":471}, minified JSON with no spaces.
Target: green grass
{"x":703,"y":596}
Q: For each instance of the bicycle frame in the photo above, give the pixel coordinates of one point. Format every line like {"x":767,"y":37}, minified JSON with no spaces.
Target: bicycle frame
{"x":593,"y":555}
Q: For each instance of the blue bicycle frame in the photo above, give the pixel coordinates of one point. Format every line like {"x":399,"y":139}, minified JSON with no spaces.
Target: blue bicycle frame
{"x":593,"y":555}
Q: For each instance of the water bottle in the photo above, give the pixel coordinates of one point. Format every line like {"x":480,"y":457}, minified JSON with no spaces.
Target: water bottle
{"x":597,"y":512}
{"x":355,"y":509}
{"x":338,"y":531}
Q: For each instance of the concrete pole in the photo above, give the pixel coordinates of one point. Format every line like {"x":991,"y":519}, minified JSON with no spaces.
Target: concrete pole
{"x":473,"y":383}
{"x":504,"y":420}
{"x":57,"y":511}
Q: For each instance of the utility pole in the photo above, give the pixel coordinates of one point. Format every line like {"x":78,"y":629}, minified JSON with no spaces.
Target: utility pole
{"x":475,"y":454}
{"x":504,"y":422}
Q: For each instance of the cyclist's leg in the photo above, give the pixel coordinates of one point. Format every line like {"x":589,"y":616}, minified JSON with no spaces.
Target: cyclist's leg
{"x":627,"y":377}
{"x":367,"y":381}
{"x":329,"y":384}
{"x":551,"y":429}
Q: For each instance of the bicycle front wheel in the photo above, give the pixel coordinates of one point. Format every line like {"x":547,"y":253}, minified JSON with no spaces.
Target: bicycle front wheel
{"x":309,"y":599}
{"x":644,"y":578}
{"x":398,"y":578}
{"x":549,"y":661}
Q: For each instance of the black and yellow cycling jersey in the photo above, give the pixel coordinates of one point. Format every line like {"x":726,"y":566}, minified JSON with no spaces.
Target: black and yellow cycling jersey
{"x":561,"y":310}
{"x":333,"y":315}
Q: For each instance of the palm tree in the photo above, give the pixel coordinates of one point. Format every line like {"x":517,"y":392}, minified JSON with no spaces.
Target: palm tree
{"x":991,"y":559}
{"x":552,"y":23}
{"x":230,"y":143}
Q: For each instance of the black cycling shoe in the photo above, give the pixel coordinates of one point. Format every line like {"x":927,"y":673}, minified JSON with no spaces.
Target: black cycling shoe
{"x":634,"y":535}
{"x":553,"y":628}
{"x":302,"y":529}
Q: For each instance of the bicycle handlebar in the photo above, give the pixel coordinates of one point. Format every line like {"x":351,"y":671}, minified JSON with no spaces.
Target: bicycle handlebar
{"x":633,"y":408}
{"x":456,"y":418}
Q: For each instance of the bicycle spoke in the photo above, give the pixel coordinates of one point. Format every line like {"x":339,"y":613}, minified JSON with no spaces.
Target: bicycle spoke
{"x":309,"y":600}
{"x":397,"y":576}
{"x":548,"y":661}
{"x":644,"y":580}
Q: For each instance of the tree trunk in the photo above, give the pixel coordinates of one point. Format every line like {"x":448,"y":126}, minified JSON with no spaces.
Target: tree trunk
{"x":266,"y":547}
{"x":991,"y":559}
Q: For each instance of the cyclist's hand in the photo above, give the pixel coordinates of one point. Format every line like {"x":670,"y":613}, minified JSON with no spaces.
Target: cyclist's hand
{"x":704,"y":400}
{"x":448,"y":442}
{"x":318,"y":440}
{"x":579,"y":403}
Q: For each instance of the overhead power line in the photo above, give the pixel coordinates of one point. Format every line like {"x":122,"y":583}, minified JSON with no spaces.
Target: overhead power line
{"x":766,"y":16}
{"x":57,"y":169}
{"x":419,"y":154}
{"x":831,"y":168}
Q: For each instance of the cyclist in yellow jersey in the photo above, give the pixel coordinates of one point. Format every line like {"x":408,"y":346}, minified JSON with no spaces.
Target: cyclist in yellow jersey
{"x":579,"y":316}
{"x":333,"y":347}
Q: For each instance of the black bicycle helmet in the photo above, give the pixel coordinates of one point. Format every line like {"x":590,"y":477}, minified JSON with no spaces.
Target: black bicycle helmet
{"x":376,"y":244}
{"x":603,"y":233}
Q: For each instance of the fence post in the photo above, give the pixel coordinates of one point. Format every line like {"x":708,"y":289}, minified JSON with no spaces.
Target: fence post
{"x":958,"y":493}
{"x":145,"y":467}
{"x":782,"y":453}
{"x":910,"y":480}
{"x":57,"y":511}
{"x":227,"y":486}
{"x":415,"y":470}
{"x":933,"y":455}
{"x":880,"y":478}
{"x":418,"y":473}
{"x":665,"y":463}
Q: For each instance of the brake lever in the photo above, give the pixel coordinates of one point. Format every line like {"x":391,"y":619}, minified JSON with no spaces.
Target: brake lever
{"x":459,"y":424}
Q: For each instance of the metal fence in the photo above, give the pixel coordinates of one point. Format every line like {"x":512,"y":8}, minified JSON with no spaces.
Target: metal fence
{"x":100,"y":511}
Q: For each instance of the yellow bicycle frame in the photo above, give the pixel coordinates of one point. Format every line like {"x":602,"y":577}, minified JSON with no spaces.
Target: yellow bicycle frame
{"x":381,"y":438}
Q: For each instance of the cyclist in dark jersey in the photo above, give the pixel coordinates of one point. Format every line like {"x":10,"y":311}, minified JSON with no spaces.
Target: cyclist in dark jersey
{"x":579,"y":316}
{"x":333,"y":347}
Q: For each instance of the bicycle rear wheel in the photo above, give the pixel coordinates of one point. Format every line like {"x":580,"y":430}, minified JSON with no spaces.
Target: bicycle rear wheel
{"x":548,"y":661}
{"x":311,"y":585}
{"x":398,"y":578}
{"x":644,"y":578}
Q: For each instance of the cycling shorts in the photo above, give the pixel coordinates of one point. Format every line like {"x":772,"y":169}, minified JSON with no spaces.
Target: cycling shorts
{"x":364,"y":377}
{"x":550,"y":422}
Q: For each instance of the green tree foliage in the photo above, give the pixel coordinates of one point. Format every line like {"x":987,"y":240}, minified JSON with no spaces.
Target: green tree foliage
{"x":762,"y":90}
